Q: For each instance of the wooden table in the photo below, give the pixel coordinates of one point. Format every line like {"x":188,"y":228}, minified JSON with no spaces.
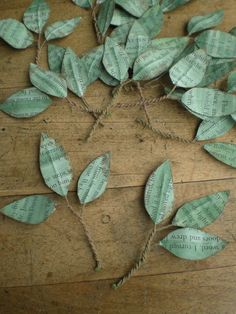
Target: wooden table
{"x":49,"y":268}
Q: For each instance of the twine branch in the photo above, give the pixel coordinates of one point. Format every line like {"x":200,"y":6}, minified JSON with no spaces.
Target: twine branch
{"x":39,"y":49}
{"x":100,"y":38}
{"x":144,"y":103}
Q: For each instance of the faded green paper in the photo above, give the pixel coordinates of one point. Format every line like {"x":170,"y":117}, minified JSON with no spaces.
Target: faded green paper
{"x":152,"y":20}
{"x":120,"y":33}
{"x":215,"y":127}
{"x":36,"y":15}
{"x":177,"y":43}
{"x":15,"y":34}
{"x":192,"y":244}
{"x":84,"y":3}
{"x":189,"y":71}
{"x":217,"y":44}
{"x":93,"y":180}
{"x":231,"y":83}
{"x":54,"y":165}
{"x":93,"y":63}
{"x":105,"y":16}
{"x":61,"y":29}
{"x":201,"y":212}
{"x":224,"y":152}
{"x":55,"y":57}
{"x":75,"y":72}
{"x":30,"y":210}
{"x":159,"y":193}
{"x":190,"y":48}
{"x":115,"y":60}
{"x":107,"y":78}
{"x":26,"y":103}
{"x":121,"y":17}
{"x":48,"y":81}
{"x":134,"y":7}
{"x":203,"y":22}
{"x":170,"y":5}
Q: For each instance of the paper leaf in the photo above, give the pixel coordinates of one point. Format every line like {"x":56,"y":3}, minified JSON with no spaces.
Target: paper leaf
{"x":224,"y":152}
{"x":201,"y":212}
{"x":36,"y":16}
{"x":55,"y":57}
{"x":61,"y":29}
{"x":170,"y":5}
{"x":54,"y":165}
{"x":30,"y":210}
{"x":47,"y":81}
{"x":203,"y":22}
{"x":75,"y":72}
{"x":15,"y":34}
{"x":26,"y":103}
{"x":233,"y":31}
{"x":189,"y":71}
{"x":107,"y":78}
{"x":121,"y":17}
{"x":93,"y":63}
{"x":120,"y":33}
{"x":177,"y":43}
{"x":187,"y":51}
{"x":217,"y":44}
{"x":84,"y":3}
{"x":115,"y":59}
{"x":105,"y":16}
{"x":134,"y":7}
{"x":93,"y":180}
{"x":231,"y":83}
{"x":215,"y":127}
{"x":152,"y":21}
{"x":159,"y":193}
{"x":192,"y":244}
{"x":209,"y":102}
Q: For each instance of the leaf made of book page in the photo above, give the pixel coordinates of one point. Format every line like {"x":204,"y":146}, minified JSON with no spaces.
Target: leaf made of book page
{"x":203,"y":22}
{"x":75,"y":72}
{"x":231,"y":83}
{"x":190,"y":48}
{"x":61,"y":29}
{"x":189,"y":71}
{"x":224,"y":152}
{"x":93,"y":63}
{"x":159,"y":193}
{"x":107,"y":78}
{"x":84,"y":3}
{"x":54,"y":165}
{"x":36,"y":16}
{"x":233,"y":31}
{"x":192,"y":244}
{"x":217,"y":44}
{"x":215,"y":127}
{"x":15,"y":34}
{"x":120,"y":33}
{"x":121,"y":17}
{"x":115,"y":59}
{"x":177,"y":43}
{"x":201,"y":212}
{"x":93,"y":180}
{"x":105,"y":16}
{"x":170,"y":5}
{"x":48,"y":81}
{"x":152,"y":63}
{"x":55,"y":57}
{"x":30,"y":210}
{"x":152,"y":20}
{"x":209,"y":102}
{"x":134,"y":7}
{"x":26,"y":103}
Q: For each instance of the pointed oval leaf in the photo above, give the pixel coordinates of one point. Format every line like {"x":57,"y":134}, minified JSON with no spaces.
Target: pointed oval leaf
{"x":201,"y":212}
{"x":134,"y":7}
{"x":48,"y":81}
{"x":120,"y":33}
{"x":105,"y":16}
{"x":54,"y":165}
{"x":192,"y":244}
{"x":93,"y":180}
{"x":26,"y":103}
{"x":84,"y":3}
{"x":93,"y":63}
{"x":121,"y":17}
{"x":152,"y":21}
{"x":61,"y":29}
{"x":224,"y":152}
{"x":170,"y":5}
{"x":15,"y":34}
{"x":231,"y":83}
{"x":177,"y":43}
{"x":55,"y":57}
{"x":159,"y":193}
{"x":30,"y":210}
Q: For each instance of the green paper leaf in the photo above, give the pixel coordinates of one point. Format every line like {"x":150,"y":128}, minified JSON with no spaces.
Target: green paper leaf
{"x":48,"y":81}
{"x":61,"y":29}
{"x":105,"y":16}
{"x":115,"y":60}
{"x":201,"y":212}
{"x":121,"y":17}
{"x":26,"y":103}
{"x":152,"y":21}
{"x":215,"y":127}
{"x":75,"y":72}
{"x":203,"y":22}
{"x":134,"y":7}
{"x":107,"y":78}
{"x":55,"y":57}
{"x":93,"y":63}
{"x":187,"y":51}
{"x":54,"y":165}
{"x":224,"y":152}
{"x":233,"y":31}
{"x":189,"y":71}
{"x":170,"y":5}
{"x":217,"y":44}
{"x":93,"y":180}
{"x":15,"y":34}
{"x":36,"y":16}
{"x":169,"y":43}
{"x":159,"y":193}
{"x":30,"y":210}
{"x":192,"y":244}
{"x":120,"y":33}
{"x":84,"y":3}
{"x":231,"y":83}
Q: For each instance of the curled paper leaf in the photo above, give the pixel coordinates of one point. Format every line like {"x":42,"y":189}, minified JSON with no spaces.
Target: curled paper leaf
{"x":159,"y":193}
{"x":192,"y":244}
{"x":84,"y":3}
{"x":47,"y":81}
{"x":61,"y":29}
{"x":120,"y":33}
{"x":201,"y":212}
{"x":26,"y":103}
{"x":55,"y":57}
{"x":93,"y":63}
{"x":231,"y":83}
{"x":15,"y":34}
{"x":30,"y":210}
{"x":93,"y":180}
{"x":134,"y":7}
{"x":105,"y":16}
{"x":170,"y":5}
{"x":54,"y":165}
{"x":224,"y":152}
{"x":121,"y":17}
{"x":152,"y":21}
